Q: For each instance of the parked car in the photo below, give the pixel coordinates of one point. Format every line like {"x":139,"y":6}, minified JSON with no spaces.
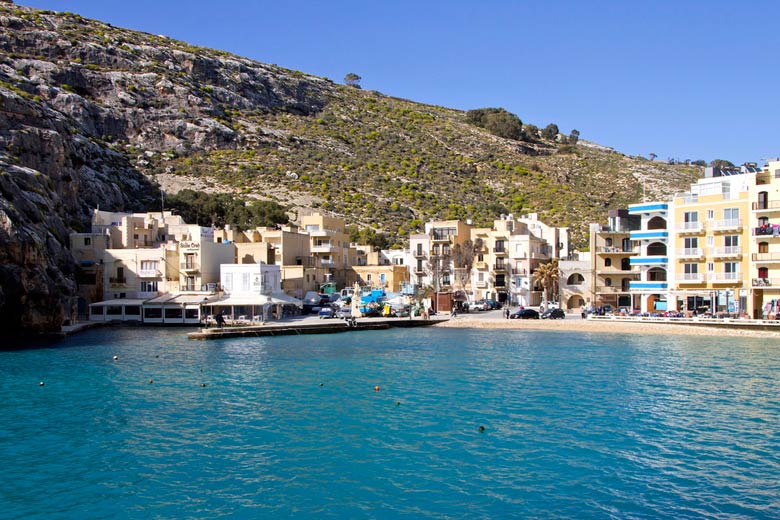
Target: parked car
{"x":524,"y":314}
{"x":479,"y":305}
{"x":325,"y":312}
{"x":553,"y":314}
{"x":493,"y":304}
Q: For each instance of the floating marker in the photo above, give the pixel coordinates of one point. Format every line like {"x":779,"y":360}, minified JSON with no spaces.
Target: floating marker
{"x":203,"y":385}
{"x":482,"y":428}
{"x":376,"y":388}
{"x":398,"y":403}
{"x":116,"y":358}
{"x":41,"y":383}
{"x":151,"y":381}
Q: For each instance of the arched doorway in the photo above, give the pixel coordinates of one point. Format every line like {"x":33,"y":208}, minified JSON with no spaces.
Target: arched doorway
{"x":656,"y":223}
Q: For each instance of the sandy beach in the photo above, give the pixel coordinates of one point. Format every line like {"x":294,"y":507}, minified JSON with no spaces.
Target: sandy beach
{"x":574,"y":323}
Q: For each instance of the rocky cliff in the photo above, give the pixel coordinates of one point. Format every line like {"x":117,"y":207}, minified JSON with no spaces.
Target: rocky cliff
{"x":92,"y":114}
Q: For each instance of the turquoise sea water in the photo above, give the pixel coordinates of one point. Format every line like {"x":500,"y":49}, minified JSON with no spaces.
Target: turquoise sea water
{"x":575,"y":426}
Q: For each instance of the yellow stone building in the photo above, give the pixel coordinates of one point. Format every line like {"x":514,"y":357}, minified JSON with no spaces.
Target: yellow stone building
{"x":711,"y":244}
{"x":764,"y":265}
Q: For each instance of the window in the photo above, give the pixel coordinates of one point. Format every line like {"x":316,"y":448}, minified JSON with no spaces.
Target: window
{"x":710,"y":241}
{"x":228,"y":282}
{"x":149,"y":286}
{"x":731,"y":267}
{"x":691,"y":216}
{"x":763,"y":247}
{"x":608,"y":282}
{"x":87,"y":241}
{"x":499,"y":246}
{"x":731,"y":240}
{"x":608,"y":242}
{"x":148,"y":265}
{"x":731,"y":214}
{"x":763,"y":200}
{"x":763,"y":272}
{"x":607,"y":262}
{"x":481,"y":276}
{"x":368,"y":277}
{"x":480,"y":257}
{"x":691,"y":243}
{"x":710,"y":214}
{"x":244,"y":281}
{"x":710,"y":267}
{"x":691,"y":268}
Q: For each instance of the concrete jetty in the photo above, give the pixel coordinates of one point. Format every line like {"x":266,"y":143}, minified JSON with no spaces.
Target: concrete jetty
{"x":310,"y":326}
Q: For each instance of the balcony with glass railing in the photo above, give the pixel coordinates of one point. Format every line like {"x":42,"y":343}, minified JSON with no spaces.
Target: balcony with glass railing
{"x":690,"y":252}
{"x":725,"y":277}
{"x":731,"y":224}
{"x":691,"y":228}
{"x":690,"y":277}
{"x":726,"y":252}
{"x":149,"y":273}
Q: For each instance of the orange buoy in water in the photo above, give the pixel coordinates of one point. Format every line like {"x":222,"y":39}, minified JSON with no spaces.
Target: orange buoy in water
{"x":376,"y":388}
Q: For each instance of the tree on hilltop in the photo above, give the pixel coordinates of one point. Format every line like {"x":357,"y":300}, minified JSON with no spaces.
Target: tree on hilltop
{"x":352,"y":80}
{"x":550,"y":131}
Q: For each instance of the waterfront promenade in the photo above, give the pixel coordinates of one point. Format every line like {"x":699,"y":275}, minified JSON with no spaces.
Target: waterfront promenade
{"x":621,"y":325}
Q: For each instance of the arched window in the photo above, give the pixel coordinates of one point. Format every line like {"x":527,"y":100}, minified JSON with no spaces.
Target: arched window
{"x":656,"y":249}
{"x":608,"y":242}
{"x":656,"y":223}
{"x":625,"y":284}
{"x":763,"y":272}
{"x":763,"y":200}
{"x":626,"y":245}
{"x":608,"y":282}
{"x":575,"y":279}
{"x":607,"y":262}
{"x":763,"y":247}
{"x":625,"y":264}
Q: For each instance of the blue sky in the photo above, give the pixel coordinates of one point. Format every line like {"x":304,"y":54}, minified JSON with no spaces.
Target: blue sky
{"x":681,"y":79}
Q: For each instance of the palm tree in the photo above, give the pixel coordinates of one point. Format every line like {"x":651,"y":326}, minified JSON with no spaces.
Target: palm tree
{"x":548,"y":274}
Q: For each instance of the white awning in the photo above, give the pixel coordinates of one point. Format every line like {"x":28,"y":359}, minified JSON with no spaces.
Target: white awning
{"x":123,"y":302}
{"x":259,"y":299}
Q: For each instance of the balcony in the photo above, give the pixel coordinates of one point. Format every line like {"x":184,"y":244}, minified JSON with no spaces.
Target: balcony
{"x":649,"y":286}
{"x":419,"y":271}
{"x":149,"y":273}
{"x":766,"y":206}
{"x":730,"y":278}
{"x":765,"y":282}
{"x":480,"y":265}
{"x":610,"y":289}
{"x":440,"y":237}
{"x":481,"y":285}
{"x":769,"y":258}
{"x":419,"y":253}
{"x":614,"y":270}
{"x":767,"y":231}
{"x":117,"y":282}
{"x":327,"y":263}
{"x":321,"y":233}
{"x":518,"y":272}
{"x":500,"y":267}
{"x":689,"y":253}
{"x":691,"y":228}
{"x":323,"y":248}
{"x":733,"y":224}
{"x":649,"y":207}
{"x":189,"y":266}
{"x":653,"y":234}
{"x":500,"y":252}
{"x":649,"y":260}
{"x":613,"y":250}
{"x":684,"y":278}
{"x":726,"y":252}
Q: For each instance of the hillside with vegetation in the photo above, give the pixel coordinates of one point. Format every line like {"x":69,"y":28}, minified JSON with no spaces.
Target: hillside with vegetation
{"x":94,"y":114}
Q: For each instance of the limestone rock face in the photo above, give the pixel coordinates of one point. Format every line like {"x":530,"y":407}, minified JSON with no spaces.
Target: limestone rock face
{"x":79,"y":101}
